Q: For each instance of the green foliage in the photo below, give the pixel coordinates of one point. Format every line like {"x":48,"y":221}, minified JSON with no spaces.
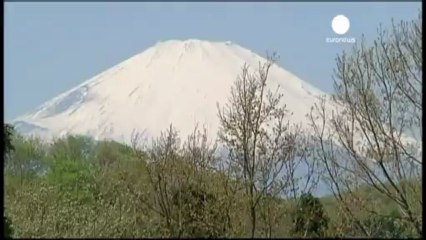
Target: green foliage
{"x":386,"y":227}
{"x":28,"y":159}
{"x":375,"y":226}
{"x":8,"y":148}
{"x":198,"y":212}
{"x":73,"y":148}
{"x":7,"y":228}
{"x":110,"y":152}
{"x":78,"y":196}
{"x":72,"y":176}
{"x":8,"y":133}
{"x":71,"y":166}
{"x":310,"y":218}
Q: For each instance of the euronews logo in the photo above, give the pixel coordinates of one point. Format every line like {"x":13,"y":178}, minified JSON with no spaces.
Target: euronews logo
{"x":340,"y":25}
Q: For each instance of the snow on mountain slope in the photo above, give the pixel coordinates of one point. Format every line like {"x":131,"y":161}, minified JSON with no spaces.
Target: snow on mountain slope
{"x":177,"y":82}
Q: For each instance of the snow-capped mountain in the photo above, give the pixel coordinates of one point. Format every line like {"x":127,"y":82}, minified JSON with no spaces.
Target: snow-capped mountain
{"x":173,"y":82}
{"x":178,"y":82}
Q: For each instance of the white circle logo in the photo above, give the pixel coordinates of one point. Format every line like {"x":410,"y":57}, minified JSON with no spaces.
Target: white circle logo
{"x":340,"y":24}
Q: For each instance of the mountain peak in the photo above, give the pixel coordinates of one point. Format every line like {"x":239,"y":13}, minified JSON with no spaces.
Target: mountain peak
{"x":191,"y":41}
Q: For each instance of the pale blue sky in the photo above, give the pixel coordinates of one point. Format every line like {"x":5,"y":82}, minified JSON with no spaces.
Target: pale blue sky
{"x":51,"y":47}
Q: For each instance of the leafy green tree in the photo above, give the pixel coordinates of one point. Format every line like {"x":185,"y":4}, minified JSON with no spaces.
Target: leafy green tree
{"x":8,"y":231}
{"x":73,"y":148}
{"x":310,"y":218}
{"x":8,"y":133}
{"x":198,"y":212}
{"x":27,"y":160}
{"x":72,"y":167}
{"x":110,"y":152}
{"x":386,"y":227}
{"x":376,"y":226}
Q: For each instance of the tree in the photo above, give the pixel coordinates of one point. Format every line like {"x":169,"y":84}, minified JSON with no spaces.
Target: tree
{"x":310,"y":218}
{"x":71,"y":166}
{"x":8,"y":133}
{"x":386,"y":227}
{"x":109,"y":152}
{"x":27,"y":159}
{"x":7,"y":228}
{"x":372,"y":139}
{"x":173,"y":168}
{"x":200,"y":215}
{"x":208,"y":207}
{"x":253,"y":128}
